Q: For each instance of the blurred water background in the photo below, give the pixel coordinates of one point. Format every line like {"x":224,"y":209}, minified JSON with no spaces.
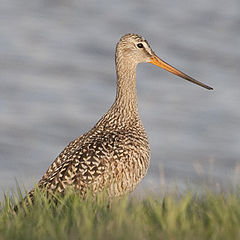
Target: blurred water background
{"x":57,"y":78}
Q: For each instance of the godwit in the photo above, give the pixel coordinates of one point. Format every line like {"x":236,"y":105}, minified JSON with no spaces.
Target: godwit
{"x":114,"y":155}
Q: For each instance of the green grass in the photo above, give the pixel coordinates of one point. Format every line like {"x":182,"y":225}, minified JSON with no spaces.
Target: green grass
{"x":175,"y":216}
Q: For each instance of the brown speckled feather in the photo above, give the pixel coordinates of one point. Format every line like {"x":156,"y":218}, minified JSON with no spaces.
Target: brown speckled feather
{"x":116,"y":158}
{"x":114,"y":154}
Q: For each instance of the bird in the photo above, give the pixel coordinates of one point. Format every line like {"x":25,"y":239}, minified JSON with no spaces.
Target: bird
{"x":115,"y":154}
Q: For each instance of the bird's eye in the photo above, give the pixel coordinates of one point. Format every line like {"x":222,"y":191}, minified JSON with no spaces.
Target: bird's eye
{"x":140,"y":45}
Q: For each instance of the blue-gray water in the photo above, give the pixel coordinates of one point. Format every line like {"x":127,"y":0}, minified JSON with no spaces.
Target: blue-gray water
{"x":57,"y":78}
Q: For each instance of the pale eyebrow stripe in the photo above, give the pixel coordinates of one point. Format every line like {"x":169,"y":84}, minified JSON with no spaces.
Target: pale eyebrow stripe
{"x":146,"y":48}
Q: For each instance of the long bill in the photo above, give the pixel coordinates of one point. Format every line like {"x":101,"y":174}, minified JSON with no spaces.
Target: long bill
{"x":160,"y":63}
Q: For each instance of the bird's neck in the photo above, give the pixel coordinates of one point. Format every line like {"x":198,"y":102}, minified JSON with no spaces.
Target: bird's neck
{"x":126,"y":97}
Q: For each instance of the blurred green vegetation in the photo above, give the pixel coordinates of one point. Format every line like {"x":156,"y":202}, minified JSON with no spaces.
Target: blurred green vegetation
{"x":187,"y":215}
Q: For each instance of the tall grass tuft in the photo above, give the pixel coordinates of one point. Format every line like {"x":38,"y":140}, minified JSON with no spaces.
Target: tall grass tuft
{"x":174,"y":216}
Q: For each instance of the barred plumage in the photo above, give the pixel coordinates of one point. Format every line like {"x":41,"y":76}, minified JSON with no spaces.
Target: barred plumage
{"x":115,"y":153}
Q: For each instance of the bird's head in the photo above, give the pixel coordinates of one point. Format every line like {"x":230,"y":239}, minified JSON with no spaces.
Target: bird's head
{"x":135,"y":49}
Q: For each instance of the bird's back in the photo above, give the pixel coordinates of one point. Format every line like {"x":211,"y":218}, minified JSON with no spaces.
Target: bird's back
{"x":113,"y":155}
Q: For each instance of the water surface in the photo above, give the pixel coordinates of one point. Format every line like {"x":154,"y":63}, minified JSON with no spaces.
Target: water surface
{"x":57,"y":79}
